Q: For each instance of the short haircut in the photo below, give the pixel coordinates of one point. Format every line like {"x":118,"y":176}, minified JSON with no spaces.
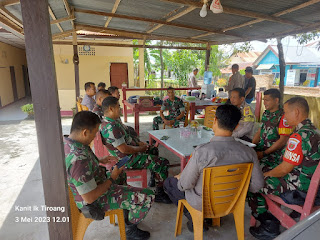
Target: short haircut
{"x":112,"y":89}
{"x":235,"y":66}
{"x":195,"y":69}
{"x":87,"y":85}
{"x":240,"y":91}
{"x":170,"y":88}
{"x":221,"y":89}
{"x":102,"y":92}
{"x":109,"y":102}
{"x":102,"y":84}
{"x":228,"y":117}
{"x":300,"y":102}
{"x":85,"y":120}
{"x":273,"y":92}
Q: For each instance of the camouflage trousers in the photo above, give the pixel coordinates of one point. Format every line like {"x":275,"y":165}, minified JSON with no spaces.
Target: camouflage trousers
{"x":272,"y":185}
{"x":136,"y":200}
{"x":158,"y":120}
{"x":154,"y":163}
{"x":270,"y":161}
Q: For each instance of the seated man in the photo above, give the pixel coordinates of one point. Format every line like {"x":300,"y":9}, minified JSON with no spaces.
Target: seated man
{"x":246,"y":124}
{"x":176,"y":111}
{"x":114,"y":91}
{"x":274,"y":133}
{"x":88,"y":100}
{"x":101,"y":86}
{"x":100,"y":96}
{"x":300,"y":159}
{"x":88,"y":181}
{"x":119,"y":143}
{"x":222,"y":149}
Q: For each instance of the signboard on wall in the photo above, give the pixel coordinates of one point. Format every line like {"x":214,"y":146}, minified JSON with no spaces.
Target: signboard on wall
{"x":293,"y":77}
{"x":311,"y":77}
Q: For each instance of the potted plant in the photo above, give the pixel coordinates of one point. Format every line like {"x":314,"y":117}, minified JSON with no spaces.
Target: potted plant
{"x":28,"y":108}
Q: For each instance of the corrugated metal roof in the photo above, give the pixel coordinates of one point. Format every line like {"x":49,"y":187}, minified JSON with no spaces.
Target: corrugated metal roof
{"x":164,"y":9}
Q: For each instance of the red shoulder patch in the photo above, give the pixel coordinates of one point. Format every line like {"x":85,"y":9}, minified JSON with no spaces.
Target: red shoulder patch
{"x":293,"y":153}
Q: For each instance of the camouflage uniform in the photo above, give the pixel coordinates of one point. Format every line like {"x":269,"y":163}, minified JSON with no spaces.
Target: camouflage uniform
{"x":114,"y":134}
{"x":84,"y":174}
{"x":303,"y":151}
{"x":175,"y":108}
{"x":273,"y":125}
{"x":98,"y":110}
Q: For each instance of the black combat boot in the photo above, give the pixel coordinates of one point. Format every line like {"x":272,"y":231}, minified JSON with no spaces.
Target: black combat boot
{"x":132,"y":230}
{"x":268,"y":229}
{"x":161,"y":196}
{"x":152,"y":181}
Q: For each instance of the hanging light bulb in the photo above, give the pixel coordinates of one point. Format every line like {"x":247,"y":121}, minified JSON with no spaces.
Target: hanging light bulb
{"x":203,"y":11}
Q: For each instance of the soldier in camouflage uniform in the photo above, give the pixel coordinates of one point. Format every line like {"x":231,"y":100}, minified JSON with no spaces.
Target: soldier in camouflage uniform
{"x":119,"y":143}
{"x":273,"y":133}
{"x":101,"y":94}
{"x":300,"y":159}
{"x":176,"y":110}
{"x":246,"y":124}
{"x":89,"y":183}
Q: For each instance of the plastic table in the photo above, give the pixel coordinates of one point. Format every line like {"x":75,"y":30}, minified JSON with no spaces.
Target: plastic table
{"x":183,"y":147}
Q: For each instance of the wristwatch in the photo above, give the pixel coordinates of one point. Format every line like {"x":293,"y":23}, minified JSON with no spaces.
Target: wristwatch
{"x":111,"y":180}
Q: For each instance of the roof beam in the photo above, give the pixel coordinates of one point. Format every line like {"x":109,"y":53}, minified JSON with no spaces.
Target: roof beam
{"x":93,"y":43}
{"x":289,"y":10}
{"x":14,"y":28}
{"x":240,"y":12}
{"x":60,"y":20}
{"x":69,"y":12}
{"x":114,"y":9}
{"x":136,"y":35}
{"x":54,"y":18}
{"x":149,"y":20}
{"x":9,"y":2}
{"x":63,"y":34}
{"x":10,"y":16}
{"x":182,"y":13}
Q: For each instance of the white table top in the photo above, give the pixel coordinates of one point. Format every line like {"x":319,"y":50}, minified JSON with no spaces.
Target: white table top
{"x":185,"y":146}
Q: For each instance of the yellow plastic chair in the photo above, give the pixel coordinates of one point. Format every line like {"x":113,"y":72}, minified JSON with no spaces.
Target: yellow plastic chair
{"x":224,"y":191}
{"x":80,"y":223}
{"x":186,"y":120}
{"x":210,"y":114}
{"x":81,"y":107}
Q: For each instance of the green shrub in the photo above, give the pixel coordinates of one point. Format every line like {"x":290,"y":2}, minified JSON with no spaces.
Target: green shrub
{"x":28,"y":108}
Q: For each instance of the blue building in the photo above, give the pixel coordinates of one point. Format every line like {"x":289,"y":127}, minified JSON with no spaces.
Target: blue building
{"x":302,"y":65}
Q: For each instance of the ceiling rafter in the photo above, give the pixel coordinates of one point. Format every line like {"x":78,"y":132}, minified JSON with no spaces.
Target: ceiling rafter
{"x":240,"y":12}
{"x":136,"y":35}
{"x":9,"y":2}
{"x":10,"y":16}
{"x":170,"y":19}
{"x":93,"y":43}
{"x":69,"y":12}
{"x":54,"y":18}
{"x":60,"y":20}
{"x":149,"y":20}
{"x":114,"y":9}
{"x":278,"y":14}
{"x":63,"y":34}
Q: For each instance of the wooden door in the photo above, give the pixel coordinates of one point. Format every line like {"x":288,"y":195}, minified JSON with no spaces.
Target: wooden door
{"x":118,"y":74}
{"x":14,"y":83}
{"x":26,"y":81}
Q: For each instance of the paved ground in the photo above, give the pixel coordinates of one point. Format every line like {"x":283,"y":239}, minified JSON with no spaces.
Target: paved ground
{"x":21,"y":185}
